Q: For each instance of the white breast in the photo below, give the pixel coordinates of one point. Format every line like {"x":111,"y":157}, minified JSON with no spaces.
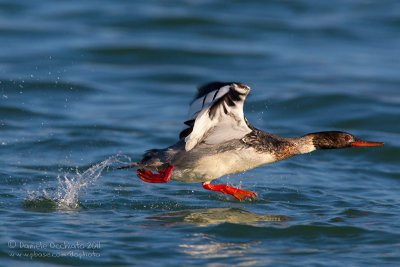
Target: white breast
{"x":214,"y":166}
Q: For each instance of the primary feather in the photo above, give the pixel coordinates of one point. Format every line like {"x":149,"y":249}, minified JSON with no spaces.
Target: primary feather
{"x":216,"y":115}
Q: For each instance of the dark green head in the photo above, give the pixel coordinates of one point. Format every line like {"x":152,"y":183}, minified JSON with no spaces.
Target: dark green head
{"x":337,"y":139}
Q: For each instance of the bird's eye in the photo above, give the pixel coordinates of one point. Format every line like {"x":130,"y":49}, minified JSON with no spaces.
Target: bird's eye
{"x":347,"y":138}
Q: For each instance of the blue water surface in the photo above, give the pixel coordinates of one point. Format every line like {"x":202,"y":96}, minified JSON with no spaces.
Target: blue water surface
{"x":88,"y":85}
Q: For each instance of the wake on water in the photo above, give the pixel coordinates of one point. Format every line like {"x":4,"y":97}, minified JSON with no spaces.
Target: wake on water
{"x":69,"y":185}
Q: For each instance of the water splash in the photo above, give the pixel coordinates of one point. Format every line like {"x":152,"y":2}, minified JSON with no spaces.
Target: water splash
{"x":42,"y":201}
{"x":70,"y":185}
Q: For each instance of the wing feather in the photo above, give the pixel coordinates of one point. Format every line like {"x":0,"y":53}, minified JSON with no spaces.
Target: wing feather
{"x":216,"y":115}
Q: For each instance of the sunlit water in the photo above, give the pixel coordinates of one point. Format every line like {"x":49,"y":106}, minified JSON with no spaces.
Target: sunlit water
{"x":89,"y":86}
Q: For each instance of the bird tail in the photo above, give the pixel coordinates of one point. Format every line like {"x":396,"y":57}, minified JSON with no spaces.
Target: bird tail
{"x":129,"y":166}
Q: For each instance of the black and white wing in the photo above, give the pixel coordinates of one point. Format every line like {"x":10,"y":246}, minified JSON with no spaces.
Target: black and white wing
{"x":216,"y":115}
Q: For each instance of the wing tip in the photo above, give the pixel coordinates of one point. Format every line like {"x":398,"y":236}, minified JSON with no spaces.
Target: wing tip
{"x":212,"y":86}
{"x":242,"y":88}
{"x":190,"y":144}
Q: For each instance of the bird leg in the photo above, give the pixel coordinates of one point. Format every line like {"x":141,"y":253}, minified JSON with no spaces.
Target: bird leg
{"x":163,"y":176}
{"x":237,"y":193}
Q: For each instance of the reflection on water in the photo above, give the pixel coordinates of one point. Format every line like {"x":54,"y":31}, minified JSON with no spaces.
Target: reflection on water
{"x":207,"y":247}
{"x":205,"y":217}
{"x":119,"y":78}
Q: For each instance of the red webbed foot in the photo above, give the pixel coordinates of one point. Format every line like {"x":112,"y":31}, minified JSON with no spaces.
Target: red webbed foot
{"x":163,"y":176}
{"x":237,"y":193}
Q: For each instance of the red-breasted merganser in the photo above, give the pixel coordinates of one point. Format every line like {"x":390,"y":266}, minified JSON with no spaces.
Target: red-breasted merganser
{"x":218,"y":140}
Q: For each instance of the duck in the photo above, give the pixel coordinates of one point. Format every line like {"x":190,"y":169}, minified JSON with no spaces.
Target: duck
{"x":218,"y":140}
